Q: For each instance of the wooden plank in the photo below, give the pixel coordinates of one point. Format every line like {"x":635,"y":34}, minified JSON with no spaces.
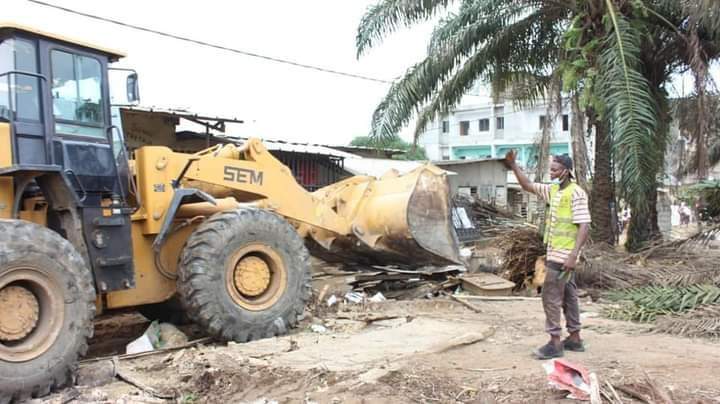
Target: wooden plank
{"x":498,"y":298}
{"x":484,"y":284}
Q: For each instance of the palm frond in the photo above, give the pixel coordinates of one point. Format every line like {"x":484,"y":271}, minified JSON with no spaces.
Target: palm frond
{"x":418,"y":86}
{"x":706,"y":13}
{"x":471,"y":22}
{"x":386,"y":16}
{"x":407,"y":95}
{"x":525,"y":89}
{"x":513,"y":44}
{"x":630,"y":110}
{"x":688,"y":115}
{"x":452,"y":91}
{"x":714,"y":150}
{"x":703,"y":321}
{"x":646,"y":303}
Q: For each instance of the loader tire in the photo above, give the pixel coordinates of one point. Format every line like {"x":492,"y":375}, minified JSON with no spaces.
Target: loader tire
{"x":47,"y":304}
{"x":244,"y":275}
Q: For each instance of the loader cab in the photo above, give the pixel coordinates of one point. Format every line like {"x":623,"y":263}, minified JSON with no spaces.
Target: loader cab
{"x":60,"y":143}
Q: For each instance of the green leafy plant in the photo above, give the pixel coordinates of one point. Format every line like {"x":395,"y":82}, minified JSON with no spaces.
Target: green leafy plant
{"x":644,"y":304}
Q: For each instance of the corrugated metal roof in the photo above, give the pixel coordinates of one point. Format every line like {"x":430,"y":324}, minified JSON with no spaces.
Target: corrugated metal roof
{"x":306,"y":148}
{"x":384,"y":150}
{"x":463,"y":162}
{"x":378,"y":167}
{"x":275,"y":145}
{"x":278,"y":145}
{"x":177,"y":112}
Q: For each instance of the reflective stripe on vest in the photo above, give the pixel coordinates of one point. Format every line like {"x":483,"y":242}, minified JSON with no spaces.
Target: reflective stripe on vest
{"x":562,"y":233}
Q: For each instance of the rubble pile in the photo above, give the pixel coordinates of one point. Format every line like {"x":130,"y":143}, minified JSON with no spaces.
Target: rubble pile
{"x":490,"y":221}
{"x":358,"y":283}
{"x":522,"y":246}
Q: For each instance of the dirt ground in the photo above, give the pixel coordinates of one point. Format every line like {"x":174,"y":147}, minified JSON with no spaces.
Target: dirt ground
{"x":427,"y":351}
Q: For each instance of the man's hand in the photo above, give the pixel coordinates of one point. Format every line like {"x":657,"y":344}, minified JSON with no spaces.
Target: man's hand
{"x":570,"y":262}
{"x":510,"y":158}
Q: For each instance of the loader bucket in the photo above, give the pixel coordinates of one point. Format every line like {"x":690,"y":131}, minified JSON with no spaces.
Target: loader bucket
{"x":397,"y":219}
{"x":430,"y":218}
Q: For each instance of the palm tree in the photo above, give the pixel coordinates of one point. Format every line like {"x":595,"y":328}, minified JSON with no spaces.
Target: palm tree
{"x":696,"y":33}
{"x":596,"y":45}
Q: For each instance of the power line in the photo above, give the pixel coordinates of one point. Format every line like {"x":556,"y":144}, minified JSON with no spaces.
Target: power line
{"x":211,"y":45}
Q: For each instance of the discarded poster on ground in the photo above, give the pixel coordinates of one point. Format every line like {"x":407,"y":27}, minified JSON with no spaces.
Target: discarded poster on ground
{"x":564,"y":375}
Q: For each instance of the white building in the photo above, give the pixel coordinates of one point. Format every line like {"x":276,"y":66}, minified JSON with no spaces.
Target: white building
{"x":481,"y":129}
{"x":486,"y":130}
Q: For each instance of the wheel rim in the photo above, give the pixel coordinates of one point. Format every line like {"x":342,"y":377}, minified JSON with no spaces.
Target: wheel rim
{"x":256,"y":277}
{"x":31,"y":313}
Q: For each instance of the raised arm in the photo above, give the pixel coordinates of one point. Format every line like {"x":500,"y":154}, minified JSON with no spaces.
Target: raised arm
{"x":524,"y":181}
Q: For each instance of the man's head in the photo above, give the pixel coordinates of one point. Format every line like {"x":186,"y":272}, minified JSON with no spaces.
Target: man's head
{"x":561,"y":167}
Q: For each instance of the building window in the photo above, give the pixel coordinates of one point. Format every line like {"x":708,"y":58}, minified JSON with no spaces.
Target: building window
{"x":500,"y":123}
{"x":541,"y":121}
{"x":464,"y":128}
{"x":566,"y":123}
{"x":445,"y":126}
{"x":484,"y":125}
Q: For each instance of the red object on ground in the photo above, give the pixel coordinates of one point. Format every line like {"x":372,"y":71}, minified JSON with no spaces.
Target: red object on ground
{"x":569,"y":376}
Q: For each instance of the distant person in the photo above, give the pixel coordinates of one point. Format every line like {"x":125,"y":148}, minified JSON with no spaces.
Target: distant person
{"x":684,"y":214}
{"x":625,"y":218}
{"x":566,"y":231}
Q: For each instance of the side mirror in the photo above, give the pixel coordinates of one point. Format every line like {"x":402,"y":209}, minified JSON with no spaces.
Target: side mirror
{"x":133,"y":89}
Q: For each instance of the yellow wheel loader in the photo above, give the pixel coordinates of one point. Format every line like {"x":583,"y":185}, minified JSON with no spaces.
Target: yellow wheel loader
{"x":86,"y":228}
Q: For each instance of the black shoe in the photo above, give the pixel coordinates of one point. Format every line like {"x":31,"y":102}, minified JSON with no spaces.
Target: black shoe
{"x":548,"y":351}
{"x":575,"y":346}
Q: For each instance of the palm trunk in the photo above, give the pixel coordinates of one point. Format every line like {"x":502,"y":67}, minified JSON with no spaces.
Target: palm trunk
{"x":643,"y":226}
{"x":602,"y":194}
{"x":579,"y":147}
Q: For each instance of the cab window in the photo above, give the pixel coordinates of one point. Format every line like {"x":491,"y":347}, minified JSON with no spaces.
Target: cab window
{"x":19,"y":94}
{"x":77,"y":95}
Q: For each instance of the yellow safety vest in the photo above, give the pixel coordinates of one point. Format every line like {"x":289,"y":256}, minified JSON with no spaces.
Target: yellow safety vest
{"x":562,"y":233}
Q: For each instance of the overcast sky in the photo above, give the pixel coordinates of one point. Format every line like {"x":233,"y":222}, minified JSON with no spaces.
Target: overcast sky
{"x":276,"y":101}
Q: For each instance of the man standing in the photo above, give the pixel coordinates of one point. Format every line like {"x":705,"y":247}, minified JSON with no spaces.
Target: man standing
{"x":567,"y":226}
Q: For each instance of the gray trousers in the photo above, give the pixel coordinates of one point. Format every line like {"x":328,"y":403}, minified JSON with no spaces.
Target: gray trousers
{"x":559,"y":296}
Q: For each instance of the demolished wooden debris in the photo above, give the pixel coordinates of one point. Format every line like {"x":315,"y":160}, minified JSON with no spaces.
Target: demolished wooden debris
{"x":486,"y":284}
{"x":466,"y":304}
{"x":522,"y":248}
{"x":366,"y":317}
{"x":464,"y":340}
{"x":498,"y":298}
{"x":702,"y":321}
{"x":155,"y":352}
{"x":646,"y":391}
{"x":131,"y":381}
{"x":391,"y":281}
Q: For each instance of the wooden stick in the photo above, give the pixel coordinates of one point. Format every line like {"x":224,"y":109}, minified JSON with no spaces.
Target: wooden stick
{"x":634,"y":394}
{"x":146,"y":389}
{"x":485,"y":369}
{"x":614,"y":392}
{"x":155,"y":352}
{"x":499,"y":298}
{"x":464,"y":303}
{"x":368,"y":318}
{"x":594,"y":389}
